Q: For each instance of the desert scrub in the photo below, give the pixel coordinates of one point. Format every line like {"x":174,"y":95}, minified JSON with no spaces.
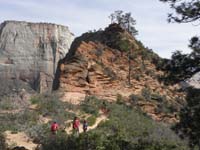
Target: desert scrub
{"x":133,"y":124}
{"x":110,"y":73}
{"x":49,"y":105}
{"x":157,"y":97}
{"x":6,"y":103}
{"x":136,"y":76}
{"x":146,"y":93}
{"x":120,"y":99}
{"x":19,"y":121}
{"x":126,"y":129}
{"x":91,"y":120}
{"x":91,"y":105}
{"x":35,"y":99}
{"x":166,"y":107}
{"x":150,"y":73}
{"x":135,"y":98}
{"x":39,"y":132}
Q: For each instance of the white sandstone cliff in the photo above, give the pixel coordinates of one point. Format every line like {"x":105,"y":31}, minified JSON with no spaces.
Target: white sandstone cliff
{"x":30,"y":52}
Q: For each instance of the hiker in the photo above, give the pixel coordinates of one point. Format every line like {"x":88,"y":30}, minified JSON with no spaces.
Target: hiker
{"x":76,"y":124}
{"x":85,"y":125}
{"x":54,"y":127}
{"x":103,"y":107}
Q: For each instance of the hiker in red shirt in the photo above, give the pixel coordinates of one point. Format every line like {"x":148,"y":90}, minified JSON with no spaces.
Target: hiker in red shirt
{"x":76,"y":124}
{"x":54,"y":127}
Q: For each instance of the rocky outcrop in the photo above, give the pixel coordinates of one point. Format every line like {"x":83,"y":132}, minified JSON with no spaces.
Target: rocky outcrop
{"x":96,"y":66}
{"x":30,"y":52}
{"x":194,"y":81}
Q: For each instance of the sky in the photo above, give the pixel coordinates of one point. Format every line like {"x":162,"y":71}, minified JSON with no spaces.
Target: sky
{"x":84,"y":15}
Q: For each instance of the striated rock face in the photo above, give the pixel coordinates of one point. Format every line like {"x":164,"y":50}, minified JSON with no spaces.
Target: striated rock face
{"x":30,"y":52}
{"x":95,"y":65}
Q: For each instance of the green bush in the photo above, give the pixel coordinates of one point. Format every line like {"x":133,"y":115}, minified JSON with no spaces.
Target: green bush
{"x":91,"y":120}
{"x":120,"y":99}
{"x":124,"y":45}
{"x":150,"y":73}
{"x":158,"y":97}
{"x":136,"y":76}
{"x":146,"y":93}
{"x":98,"y":141}
{"x":132,"y":124}
{"x":6,"y":104}
{"x":19,"y":121}
{"x":142,"y":68}
{"x":99,"y":52}
{"x":110,"y":73}
{"x":39,"y":132}
{"x":91,"y":105}
{"x":51,"y":106}
{"x":166,"y":108}
{"x":57,"y":142}
{"x":35,"y":99}
{"x":87,"y":108}
{"x":28,"y":120}
{"x":135,"y":98}
{"x":126,"y":129}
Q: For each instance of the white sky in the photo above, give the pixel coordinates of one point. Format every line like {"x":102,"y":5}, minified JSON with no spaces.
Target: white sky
{"x":84,"y":15}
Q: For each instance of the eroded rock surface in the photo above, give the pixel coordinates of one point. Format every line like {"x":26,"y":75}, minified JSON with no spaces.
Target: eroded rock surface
{"x":30,"y":52}
{"x":96,"y":66}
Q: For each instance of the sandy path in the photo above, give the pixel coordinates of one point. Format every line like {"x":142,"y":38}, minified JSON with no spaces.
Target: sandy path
{"x":98,"y":121}
{"x":19,"y":139}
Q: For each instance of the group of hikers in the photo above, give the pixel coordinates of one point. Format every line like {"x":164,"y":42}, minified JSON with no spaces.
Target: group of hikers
{"x":75,"y":124}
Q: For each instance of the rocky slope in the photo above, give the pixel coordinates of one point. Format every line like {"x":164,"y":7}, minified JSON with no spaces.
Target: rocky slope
{"x":30,"y":52}
{"x":96,"y":65}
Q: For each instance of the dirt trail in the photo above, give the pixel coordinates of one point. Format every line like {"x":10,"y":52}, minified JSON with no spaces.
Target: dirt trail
{"x":19,"y":139}
{"x":98,"y":121}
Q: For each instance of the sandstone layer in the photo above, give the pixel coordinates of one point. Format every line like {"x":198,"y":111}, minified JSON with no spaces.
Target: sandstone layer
{"x":95,"y":65}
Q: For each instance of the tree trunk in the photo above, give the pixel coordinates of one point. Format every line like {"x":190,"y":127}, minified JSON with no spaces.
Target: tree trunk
{"x":129,"y":69}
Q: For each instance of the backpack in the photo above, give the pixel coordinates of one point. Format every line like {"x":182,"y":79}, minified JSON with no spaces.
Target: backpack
{"x":54,"y":127}
{"x":85,"y":125}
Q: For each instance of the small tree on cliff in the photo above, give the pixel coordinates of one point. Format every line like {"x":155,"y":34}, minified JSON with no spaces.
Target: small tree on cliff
{"x":126,"y":46}
{"x":125,"y":20}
